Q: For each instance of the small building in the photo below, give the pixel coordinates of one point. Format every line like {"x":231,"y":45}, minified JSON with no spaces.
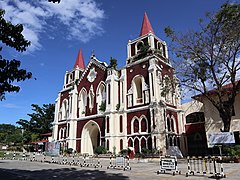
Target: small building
{"x":202,"y":118}
{"x":136,"y":106}
{"x":40,"y":145}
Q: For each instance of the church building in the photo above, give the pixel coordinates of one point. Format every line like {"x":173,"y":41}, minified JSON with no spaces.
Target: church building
{"x":136,"y":106}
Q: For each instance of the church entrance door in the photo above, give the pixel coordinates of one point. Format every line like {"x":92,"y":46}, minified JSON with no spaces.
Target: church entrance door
{"x":90,"y":138}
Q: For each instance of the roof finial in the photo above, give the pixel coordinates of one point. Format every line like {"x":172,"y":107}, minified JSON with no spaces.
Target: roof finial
{"x":93,"y":55}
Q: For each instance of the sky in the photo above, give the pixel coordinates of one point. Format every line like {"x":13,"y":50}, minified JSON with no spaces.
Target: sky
{"x":58,"y":31}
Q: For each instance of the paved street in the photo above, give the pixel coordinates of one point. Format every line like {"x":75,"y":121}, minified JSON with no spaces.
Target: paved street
{"x":26,"y":170}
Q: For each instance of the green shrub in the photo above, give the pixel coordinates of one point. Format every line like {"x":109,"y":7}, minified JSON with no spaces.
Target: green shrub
{"x":1,"y":153}
{"x":102,"y":106}
{"x":138,"y":155}
{"x":123,"y":152}
{"x":117,"y":107}
{"x":113,"y":63}
{"x":100,"y":150}
{"x":231,"y":150}
{"x":69,"y":151}
{"x":146,"y":151}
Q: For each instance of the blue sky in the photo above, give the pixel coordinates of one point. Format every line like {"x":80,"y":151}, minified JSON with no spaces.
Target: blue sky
{"x":57,"y":31}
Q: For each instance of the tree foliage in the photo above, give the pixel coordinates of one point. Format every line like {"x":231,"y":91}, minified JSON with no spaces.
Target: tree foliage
{"x":40,"y":122}
{"x":11,"y":35}
{"x":143,"y":51}
{"x":113,"y":63}
{"x":210,"y":59}
{"x":10,"y":134}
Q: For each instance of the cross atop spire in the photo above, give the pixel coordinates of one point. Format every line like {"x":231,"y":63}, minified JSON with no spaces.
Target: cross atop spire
{"x":79,"y":61}
{"x":146,"y":26}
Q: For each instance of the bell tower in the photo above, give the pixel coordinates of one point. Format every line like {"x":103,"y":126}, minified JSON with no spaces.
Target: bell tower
{"x":147,"y":43}
{"x":149,"y":71}
{"x":74,"y":75}
{"x":70,"y":84}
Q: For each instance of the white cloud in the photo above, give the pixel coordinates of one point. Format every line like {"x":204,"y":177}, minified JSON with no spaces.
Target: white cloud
{"x":11,"y":106}
{"x":81,"y":19}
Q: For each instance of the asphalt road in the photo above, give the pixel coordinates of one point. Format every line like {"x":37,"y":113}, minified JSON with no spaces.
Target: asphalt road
{"x":26,"y":170}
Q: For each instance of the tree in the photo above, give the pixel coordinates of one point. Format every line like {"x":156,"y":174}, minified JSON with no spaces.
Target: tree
{"x":39,"y":123}
{"x":143,"y":51}
{"x":10,"y":134}
{"x":113,"y":63}
{"x":210,"y":59}
{"x":11,"y":35}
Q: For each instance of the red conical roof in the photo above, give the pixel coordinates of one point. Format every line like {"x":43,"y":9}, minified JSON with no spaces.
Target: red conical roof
{"x":146,"y":26}
{"x":79,"y":61}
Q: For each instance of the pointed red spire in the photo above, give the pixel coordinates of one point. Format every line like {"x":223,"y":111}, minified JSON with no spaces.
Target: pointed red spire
{"x":146,"y":26}
{"x":79,"y":61}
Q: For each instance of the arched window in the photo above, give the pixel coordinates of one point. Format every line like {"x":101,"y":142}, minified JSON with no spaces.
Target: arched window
{"x":109,"y":94}
{"x":107,"y":124}
{"x":101,"y":95}
{"x":136,"y":145}
{"x":172,"y":125}
{"x":121,"y":144}
{"x":168,"y":124}
{"x":62,"y":133}
{"x":155,"y":142}
{"x":107,"y":144}
{"x":175,"y":141}
{"x":68,"y":129}
{"x":164,"y":50}
{"x":143,"y":125}
{"x":149,"y":143}
{"x":138,"y":86}
{"x":143,"y":143}
{"x":121,"y":124}
{"x":138,"y":46}
{"x":160,"y":47}
{"x":130,"y":143}
{"x":138,"y":90}
{"x":170,"y":141}
{"x":65,"y":109}
{"x":135,"y":126}
{"x":82,"y":102}
{"x":91,"y":99}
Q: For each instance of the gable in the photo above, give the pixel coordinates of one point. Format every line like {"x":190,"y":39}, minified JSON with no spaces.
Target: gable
{"x":94,"y":74}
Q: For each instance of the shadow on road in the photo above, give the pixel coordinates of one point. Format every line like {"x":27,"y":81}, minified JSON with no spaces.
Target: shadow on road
{"x":58,"y":174}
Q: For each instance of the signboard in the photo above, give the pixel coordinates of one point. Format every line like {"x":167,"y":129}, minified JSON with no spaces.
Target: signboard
{"x":168,"y":163}
{"x":119,"y":161}
{"x":52,"y":148}
{"x":221,"y":138}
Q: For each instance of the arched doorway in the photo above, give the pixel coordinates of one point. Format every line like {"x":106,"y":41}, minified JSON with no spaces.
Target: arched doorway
{"x":90,"y":138}
{"x":196,"y":134}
